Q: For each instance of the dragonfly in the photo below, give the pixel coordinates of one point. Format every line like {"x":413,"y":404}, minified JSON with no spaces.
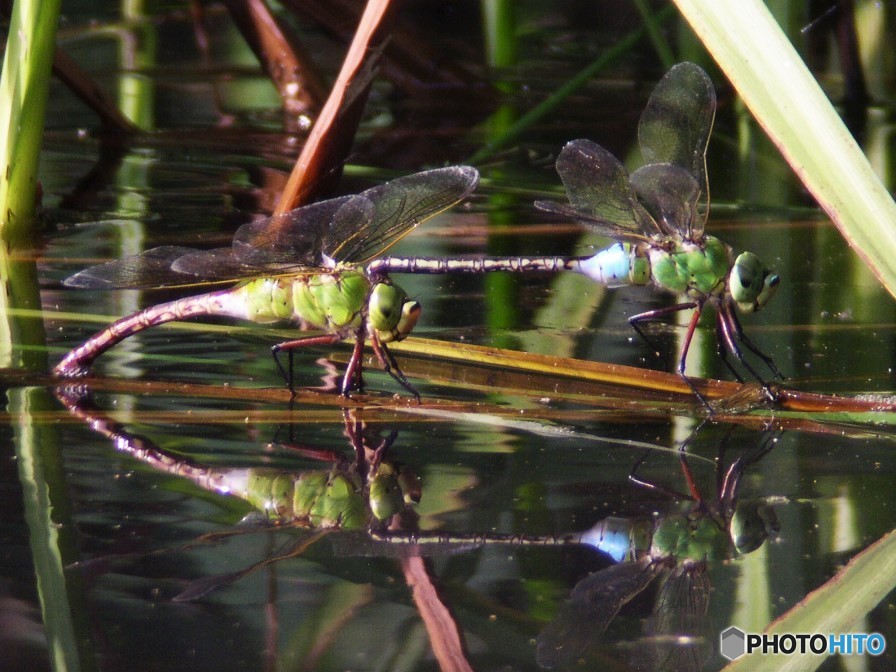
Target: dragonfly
{"x":305,"y":266}
{"x":657,"y":216}
{"x":673,"y":548}
{"x":363,"y":504}
{"x":351,"y":495}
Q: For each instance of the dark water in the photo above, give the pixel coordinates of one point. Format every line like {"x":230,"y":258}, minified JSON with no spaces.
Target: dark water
{"x":492,"y":460}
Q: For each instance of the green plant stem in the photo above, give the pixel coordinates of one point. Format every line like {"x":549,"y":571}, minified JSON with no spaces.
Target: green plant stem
{"x":550,"y":103}
{"x":24,"y":88}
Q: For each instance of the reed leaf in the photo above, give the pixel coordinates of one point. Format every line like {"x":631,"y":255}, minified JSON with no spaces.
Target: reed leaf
{"x":786,"y":100}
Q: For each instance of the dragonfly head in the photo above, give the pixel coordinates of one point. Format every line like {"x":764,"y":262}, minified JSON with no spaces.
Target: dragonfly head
{"x":386,"y":498}
{"x":751,"y":524}
{"x":750,"y":283}
{"x":391,"y":313}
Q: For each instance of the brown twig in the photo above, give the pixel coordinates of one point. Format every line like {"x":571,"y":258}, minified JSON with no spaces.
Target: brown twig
{"x":410,"y":62}
{"x":320,"y":163}
{"x":279,"y":50}
{"x":90,"y":93}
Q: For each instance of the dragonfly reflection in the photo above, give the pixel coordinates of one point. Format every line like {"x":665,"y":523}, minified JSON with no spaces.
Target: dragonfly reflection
{"x":675,"y":549}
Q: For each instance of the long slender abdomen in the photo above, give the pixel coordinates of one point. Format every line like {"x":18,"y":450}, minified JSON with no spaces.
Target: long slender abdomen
{"x":225,"y":303}
{"x":424,"y":265}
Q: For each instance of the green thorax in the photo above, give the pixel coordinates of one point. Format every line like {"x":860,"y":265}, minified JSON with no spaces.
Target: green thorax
{"x":331,"y":301}
{"x":337,"y":301}
{"x":693,"y":268}
{"x":694,"y":538}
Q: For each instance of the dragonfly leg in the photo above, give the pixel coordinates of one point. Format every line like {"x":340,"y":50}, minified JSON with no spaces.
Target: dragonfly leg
{"x":635,"y":321}
{"x":689,"y":478}
{"x":289,"y":346}
{"x":683,"y":357}
{"x":661,"y":312}
{"x":293,"y":446}
{"x":354,"y":371}
{"x":390,"y":366}
{"x":731,"y":332}
{"x":729,"y":482}
{"x":752,"y":347}
{"x":722,"y":347}
{"x":633,"y":476}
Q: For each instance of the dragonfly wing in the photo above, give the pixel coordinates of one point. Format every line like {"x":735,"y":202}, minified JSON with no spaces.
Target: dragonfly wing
{"x":300,"y":236}
{"x":670,"y":194}
{"x":223,"y":263}
{"x":675,"y":632}
{"x":152,"y":268}
{"x":597,"y":187}
{"x":353,"y":228}
{"x":398,"y":207}
{"x":677,"y":121}
{"x":602,"y":227}
{"x":593,"y":604}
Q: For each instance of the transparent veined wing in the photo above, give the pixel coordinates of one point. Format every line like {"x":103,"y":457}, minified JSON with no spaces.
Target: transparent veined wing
{"x":298,"y":237}
{"x":670,"y":194}
{"x":403,"y":204}
{"x":347,"y":228}
{"x":152,"y":268}
{"x":591,"y":607}
{"x":174,"y":266}
{"x":597,"y":186}
{"x":677,"y":121}
{"x":355,"y":228}
{"x":675,"y":637}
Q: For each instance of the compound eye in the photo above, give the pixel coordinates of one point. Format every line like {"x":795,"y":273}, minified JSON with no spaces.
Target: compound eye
{"x":750,"y":283}
{"x":410,"y":313}
{"x":385,"y":306}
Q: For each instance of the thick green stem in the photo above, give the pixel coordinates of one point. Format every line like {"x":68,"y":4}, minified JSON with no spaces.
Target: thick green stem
{"x":24,"y":88}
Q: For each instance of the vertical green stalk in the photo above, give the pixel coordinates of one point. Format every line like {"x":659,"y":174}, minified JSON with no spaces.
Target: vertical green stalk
{"x":653,"y":25}
{"x":136,"y":91}
{"x":622,"y":47}
{"x":500,"y":33}
{"x":24,"y":88}
{"x":501,"y":289}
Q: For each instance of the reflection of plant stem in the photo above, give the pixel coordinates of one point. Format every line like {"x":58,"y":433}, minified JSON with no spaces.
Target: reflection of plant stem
{"x":23,"y":339}
{"x":53,"y":547}
{"x":444,"y":635}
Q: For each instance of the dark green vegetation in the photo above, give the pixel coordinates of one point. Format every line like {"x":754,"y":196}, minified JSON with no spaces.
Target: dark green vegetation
{"x":542,"y":415}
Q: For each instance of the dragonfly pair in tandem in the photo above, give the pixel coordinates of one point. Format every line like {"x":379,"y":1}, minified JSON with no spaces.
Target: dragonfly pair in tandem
{"x":307,"y":265}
